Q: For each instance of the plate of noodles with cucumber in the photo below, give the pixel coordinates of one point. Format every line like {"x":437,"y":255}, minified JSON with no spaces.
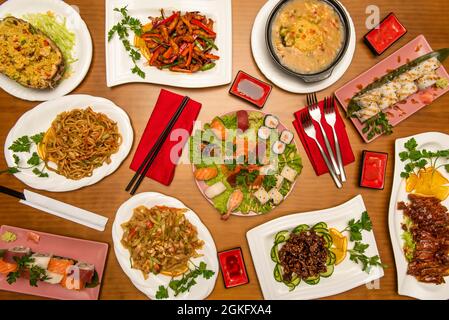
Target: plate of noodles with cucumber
{"x":53,"y":49}
{"x":245,"y":162}
{"x":78,"y":140}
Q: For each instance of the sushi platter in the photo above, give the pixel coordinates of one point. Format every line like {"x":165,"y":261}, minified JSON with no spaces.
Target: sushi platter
{"x":278,"y":149}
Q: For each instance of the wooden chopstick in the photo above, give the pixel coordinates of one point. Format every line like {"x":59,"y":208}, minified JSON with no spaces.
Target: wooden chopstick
{"x":12,"y":193}
{"x":148,"y":161}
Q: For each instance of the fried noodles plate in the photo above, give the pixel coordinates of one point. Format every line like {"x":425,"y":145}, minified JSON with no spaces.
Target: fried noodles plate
{"x":78,"y":141}
{"x":160,"y":240}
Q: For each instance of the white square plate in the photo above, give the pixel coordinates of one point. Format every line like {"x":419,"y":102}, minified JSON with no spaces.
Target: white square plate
{"x":118,"y":63}
{"x":347,"y":274}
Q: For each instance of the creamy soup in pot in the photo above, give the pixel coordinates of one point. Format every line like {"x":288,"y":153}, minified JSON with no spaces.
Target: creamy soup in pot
{"x":307,"y":35}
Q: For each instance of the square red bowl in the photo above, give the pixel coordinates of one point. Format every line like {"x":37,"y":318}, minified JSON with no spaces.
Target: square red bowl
{"x":78,"y":249}
{"x":385,"y":34}
{"x":233,"y":268}
{"x":250,"y":89}
{"x":373,"y":168}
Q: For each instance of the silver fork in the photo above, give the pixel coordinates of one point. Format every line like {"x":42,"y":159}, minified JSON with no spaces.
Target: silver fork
{"x":315,"y":113}
{"x":331,"y":118}
{"x":309,"y":129}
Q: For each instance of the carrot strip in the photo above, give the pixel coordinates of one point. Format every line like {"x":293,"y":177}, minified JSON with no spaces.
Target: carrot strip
{"x":177,"y":69}
{"x":211,"y":56}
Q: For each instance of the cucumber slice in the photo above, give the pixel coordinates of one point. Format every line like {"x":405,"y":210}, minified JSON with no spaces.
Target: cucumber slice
{"x":274,"y":254}
{"x":300,"y":228}
{"x":296,"y":280}
{"x":331,"y":258}
{"x":281,"y":236}
{"x":328,"y":239}
{"x":321,"y":231}
{"x":312,"y":280}
{"x":277,"y":273}
{"x":329,"y":271}
{"x":290,"y":286}
{"x":321,"y":225}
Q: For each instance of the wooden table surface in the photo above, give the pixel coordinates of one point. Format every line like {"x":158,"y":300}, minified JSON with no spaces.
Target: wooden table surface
{"x":310,"y":193}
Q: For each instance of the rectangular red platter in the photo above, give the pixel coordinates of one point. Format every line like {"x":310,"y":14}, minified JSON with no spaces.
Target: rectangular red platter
{"x":78,"y":249}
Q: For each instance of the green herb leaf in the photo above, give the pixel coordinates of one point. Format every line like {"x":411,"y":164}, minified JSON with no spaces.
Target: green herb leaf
{"x":16,"y":159}
{"x":10,"y":170}
{"x":411,"y":144}
{"x":162,"y":293}
{"x":22,"y":144}
{"x":37,"y":138}
{"x":34,"y":160}
{"x":40,"y":173}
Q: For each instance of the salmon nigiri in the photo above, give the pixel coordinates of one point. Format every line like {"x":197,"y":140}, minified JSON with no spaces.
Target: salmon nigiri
{"x":59,"y":266}
{"x":6,"y":267}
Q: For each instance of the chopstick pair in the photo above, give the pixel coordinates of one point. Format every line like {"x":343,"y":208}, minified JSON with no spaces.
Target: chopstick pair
{"x":333,"y":163}
{"x":58,"y":208}
{"x":149,"y":159}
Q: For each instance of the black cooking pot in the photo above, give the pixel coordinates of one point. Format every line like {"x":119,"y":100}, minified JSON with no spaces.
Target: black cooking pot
{"x":323,"y":74}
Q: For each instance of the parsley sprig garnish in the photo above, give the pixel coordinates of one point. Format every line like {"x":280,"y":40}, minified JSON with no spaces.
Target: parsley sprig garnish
{"x":376,"y":125}
{"x":357,"y":253}
{"x":23,"y":145}
{"x":419,"y":159}
{"x":122,"y":30}
{"x":36,"y":273}
{"x":186,"y":282}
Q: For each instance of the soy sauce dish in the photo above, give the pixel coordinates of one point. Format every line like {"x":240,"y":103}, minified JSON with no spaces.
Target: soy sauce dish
{"x":307,"y":38}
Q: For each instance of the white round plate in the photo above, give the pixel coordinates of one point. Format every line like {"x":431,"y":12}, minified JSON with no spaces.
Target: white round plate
{"x":150,"y":286}
{"x":39,"y":119}
{"x":82,"y":49}
{"x":282,"y":79}
{"x":202,"y":186}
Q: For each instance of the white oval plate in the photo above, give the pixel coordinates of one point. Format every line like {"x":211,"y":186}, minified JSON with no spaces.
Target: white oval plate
{"x":150,"y":286}
{"x":82,"y":49}
{"x":39,"y":119}
{"x":408,"y":285}
{"x":119,"y":65}
{"x":282,"y":79}
{"x":347,"y":274}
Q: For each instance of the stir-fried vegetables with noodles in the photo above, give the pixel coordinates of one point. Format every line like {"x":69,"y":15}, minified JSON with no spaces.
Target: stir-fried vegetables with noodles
{"x":179,"y":42}
{"x":160,"y":240}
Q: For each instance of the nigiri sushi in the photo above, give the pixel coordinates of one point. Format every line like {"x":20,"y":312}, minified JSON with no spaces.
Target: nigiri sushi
{"x":59,"y":265}
{"x":16,"y":253}
{"x":6,"y":267}
{"x":205,"y":173}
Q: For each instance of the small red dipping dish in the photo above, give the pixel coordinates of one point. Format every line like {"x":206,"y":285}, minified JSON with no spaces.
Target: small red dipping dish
{"x":374,"y":165}
{"x":385,"y":34}
{"x":250,"y":89}
{"x":233,"y":267}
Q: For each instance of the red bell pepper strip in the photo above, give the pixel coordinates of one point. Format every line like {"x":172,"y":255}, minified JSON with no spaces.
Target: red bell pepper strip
{"x":189,"y":59}
{"x":211,"y":56}
{"x":167,"y":20}
{"x":203,"y":26}
{"x":178,"y":69}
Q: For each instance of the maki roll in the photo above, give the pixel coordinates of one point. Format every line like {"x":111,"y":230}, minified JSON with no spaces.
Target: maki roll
{"x":271,"y":121}
{"x":41,"y":260}
{"x":78,"y":275}
{"x":368,"y":111}
{"x":388,"y":94}
{"x":286,"y":137}
{"x":278,"y":147}
{"x":53,"y":278}
{"x":86,"y":271}
{"x":407,"y":89}
{"x":215,"y":190}
{"x":16,"y":253}
{"x":427,"y":80}
{"x":264,"y":133}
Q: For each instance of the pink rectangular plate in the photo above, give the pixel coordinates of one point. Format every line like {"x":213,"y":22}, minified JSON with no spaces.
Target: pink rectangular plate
{"x":404,"y":109}
{"x":78,"y":249}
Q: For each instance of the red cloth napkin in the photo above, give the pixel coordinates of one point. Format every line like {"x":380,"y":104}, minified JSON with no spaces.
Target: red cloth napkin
{"x":163,"y":168}
{"x":310,"y":146}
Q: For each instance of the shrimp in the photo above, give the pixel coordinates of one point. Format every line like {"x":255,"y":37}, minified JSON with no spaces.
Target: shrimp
{"x":234,"y":201}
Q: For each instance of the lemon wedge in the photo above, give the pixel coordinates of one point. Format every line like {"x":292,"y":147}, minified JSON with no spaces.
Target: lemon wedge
{"x":339,"y":245}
